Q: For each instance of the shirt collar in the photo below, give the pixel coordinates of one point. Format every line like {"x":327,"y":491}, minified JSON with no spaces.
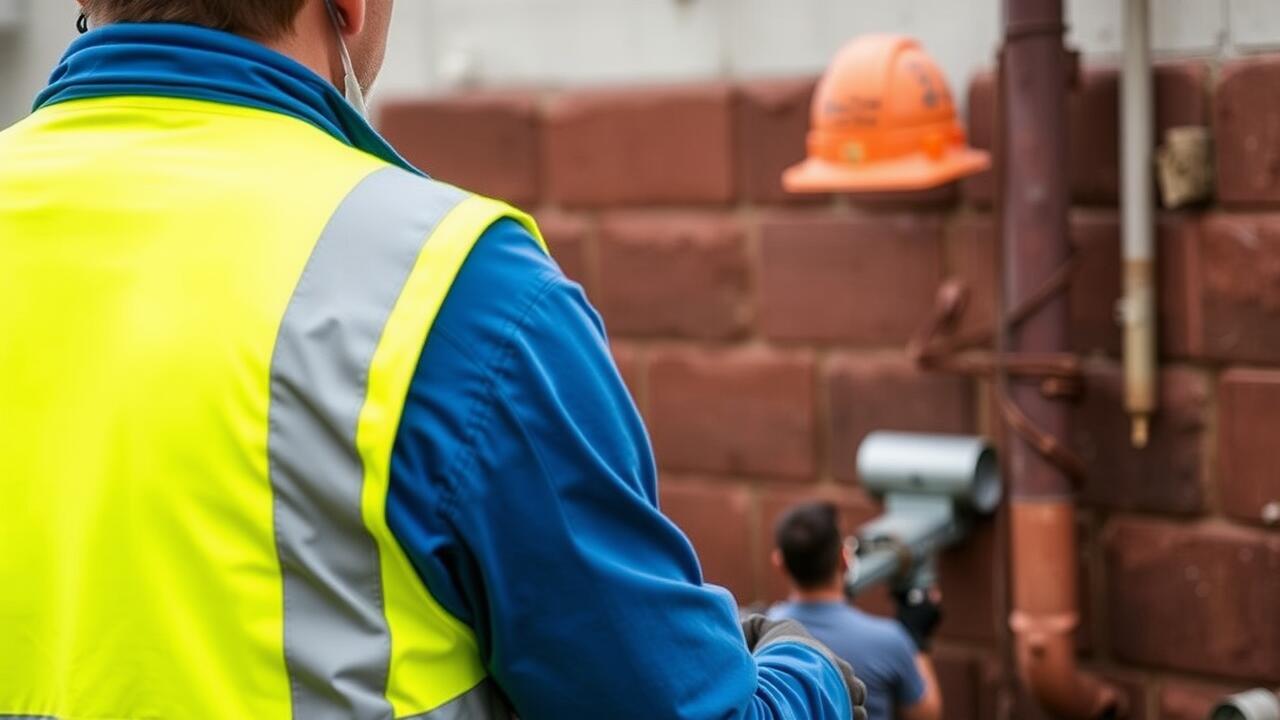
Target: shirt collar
{"x":185,"y":61}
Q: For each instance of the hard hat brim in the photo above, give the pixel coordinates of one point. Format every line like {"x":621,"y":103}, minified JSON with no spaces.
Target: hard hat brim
{"x":913,"y":172}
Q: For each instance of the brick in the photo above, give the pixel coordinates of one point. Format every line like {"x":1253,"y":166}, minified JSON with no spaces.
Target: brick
{"x":1240,"y":268}
{"x":866,"y":280}
{"x":1186,"y":701}
{"x":1248,"y":415}
{"x":641,"y":146}
{"x":1095,"y":287}
{"x":886,"y":392}
{"x":973,"y":257}
{"x":744,"y":411}
{"x":1095,"y":291}
{"x":993,"y":690}
{"x":1199,"y":598}
{"x":771,"y":127}
{"x":958,"y":680}
{"x":716,"y":516}
{"x":1166,"y":476}
{"x":1247,"y":131}
{"x":1093,"y":125}
{"x":631,"y":366}
{"x":486,"y":142}
{"x":569,"y":237}
{"x":937,"y":198}
{"x":1094,"y":135}
{"x":1181,"y":282}
{"x":968,"y":575}
{"x":675,"y":274}
{"x":980,"y":190}
{"x":855,"y":509}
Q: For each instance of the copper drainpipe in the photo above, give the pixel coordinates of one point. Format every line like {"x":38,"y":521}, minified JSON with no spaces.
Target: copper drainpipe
{"x":1034,"y":197}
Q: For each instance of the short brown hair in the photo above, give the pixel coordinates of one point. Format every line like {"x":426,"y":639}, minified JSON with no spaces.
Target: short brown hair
{"x":809,"y":537}
{"x":263,"y":19}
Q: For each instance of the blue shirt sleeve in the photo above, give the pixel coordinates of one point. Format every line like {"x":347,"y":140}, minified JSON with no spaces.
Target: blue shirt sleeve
{"x":909,"y":688}
{"x":524,"y":491}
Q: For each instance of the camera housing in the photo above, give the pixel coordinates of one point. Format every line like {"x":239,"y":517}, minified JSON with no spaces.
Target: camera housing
{"x":934,"y":487}
{"x":1250,"y":705}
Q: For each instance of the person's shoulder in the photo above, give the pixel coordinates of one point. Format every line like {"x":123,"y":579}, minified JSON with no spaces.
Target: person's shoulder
{"x":505,"y":276}
{"x":875,"y":626}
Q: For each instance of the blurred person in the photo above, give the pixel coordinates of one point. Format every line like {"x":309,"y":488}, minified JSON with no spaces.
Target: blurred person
{"x":891,"y":657}
{"x":290,"y":430}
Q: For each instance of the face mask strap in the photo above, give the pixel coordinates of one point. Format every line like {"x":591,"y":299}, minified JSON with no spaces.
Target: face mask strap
{"x":352,"y":89}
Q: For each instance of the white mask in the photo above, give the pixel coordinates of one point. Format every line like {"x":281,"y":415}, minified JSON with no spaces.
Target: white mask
{"x":351,"y":84}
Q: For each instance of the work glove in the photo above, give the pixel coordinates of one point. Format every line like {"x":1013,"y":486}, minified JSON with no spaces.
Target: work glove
{"x":919,"y":612}
{"x":761,"y":632}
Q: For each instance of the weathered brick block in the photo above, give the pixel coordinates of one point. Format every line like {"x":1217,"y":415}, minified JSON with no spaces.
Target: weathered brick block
{"x":716,"y":516}
{"x":855,"y":509}
{"x":1247,"y":131}
{"x":1200,"y":598}
{"x":675,"y":274}
{"x":968,"y":575}
{"x":644,"y":146}
{"x":1093,"y":125}
{"x":885,"y":391}
{"x":1248,"y":422}
{"x":1187,"y":701}
{"x":1181,"y":282}
{"x":569,"y":237}
{"x":973,"y":256}
{"x":1240,"y":267}
{"x":748,"y":411}
{"x":958,"y":680}
{"x":771,"y":130}
{"x":1096,"y":288}
{"x":1166,"y":476}
{"x":485,"y":142}
{"x":1094,"y":139}
{"x":859,"y":280}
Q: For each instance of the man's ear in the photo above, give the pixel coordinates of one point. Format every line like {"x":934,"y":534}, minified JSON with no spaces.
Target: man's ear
{"x":776,"y":558}
{"x":352,"y":13}
{"x":846,"y":559}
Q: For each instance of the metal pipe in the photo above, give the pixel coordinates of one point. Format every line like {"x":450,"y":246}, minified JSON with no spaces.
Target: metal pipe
{"x":1034,"y":197}
{"x":1138,"y":308}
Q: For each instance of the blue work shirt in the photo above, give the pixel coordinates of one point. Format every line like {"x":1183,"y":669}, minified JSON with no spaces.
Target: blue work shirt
{"x":522,"y":484}
{"x":880,"y":651}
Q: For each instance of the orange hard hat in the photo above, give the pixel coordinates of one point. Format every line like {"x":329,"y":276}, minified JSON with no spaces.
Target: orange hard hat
{"x":883,"y":121}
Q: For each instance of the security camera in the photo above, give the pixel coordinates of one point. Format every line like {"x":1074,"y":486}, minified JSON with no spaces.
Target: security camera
{"x":934,"y":487}
{"x":1251,"y":705}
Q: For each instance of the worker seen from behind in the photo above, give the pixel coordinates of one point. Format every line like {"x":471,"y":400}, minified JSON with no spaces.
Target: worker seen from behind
{"x":290,"y":430}
{"x":890,"y":656}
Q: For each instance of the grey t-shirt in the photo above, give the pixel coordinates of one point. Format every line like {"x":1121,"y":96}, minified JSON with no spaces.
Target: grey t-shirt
{"x":880,"y":651}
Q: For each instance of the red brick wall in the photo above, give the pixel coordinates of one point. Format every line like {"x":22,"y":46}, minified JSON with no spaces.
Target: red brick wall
{"x":762,"y":337}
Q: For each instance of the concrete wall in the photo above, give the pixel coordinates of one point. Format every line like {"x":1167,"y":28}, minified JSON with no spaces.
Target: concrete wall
{"x":443,"y":44}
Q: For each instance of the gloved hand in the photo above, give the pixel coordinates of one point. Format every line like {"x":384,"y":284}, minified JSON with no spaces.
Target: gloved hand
{"x":919,"y":611}
{"x":762,"y":632}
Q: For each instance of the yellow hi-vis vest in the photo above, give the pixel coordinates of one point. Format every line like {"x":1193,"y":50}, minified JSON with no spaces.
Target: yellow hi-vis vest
{"x":209,"y":319}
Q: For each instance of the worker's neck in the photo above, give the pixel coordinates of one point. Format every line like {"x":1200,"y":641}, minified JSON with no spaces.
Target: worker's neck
{"x":833,"y":592}
{"x":313,"y":43}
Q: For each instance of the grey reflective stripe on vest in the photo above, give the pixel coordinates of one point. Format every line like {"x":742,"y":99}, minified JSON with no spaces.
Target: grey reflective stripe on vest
{"x":336,"y":641}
